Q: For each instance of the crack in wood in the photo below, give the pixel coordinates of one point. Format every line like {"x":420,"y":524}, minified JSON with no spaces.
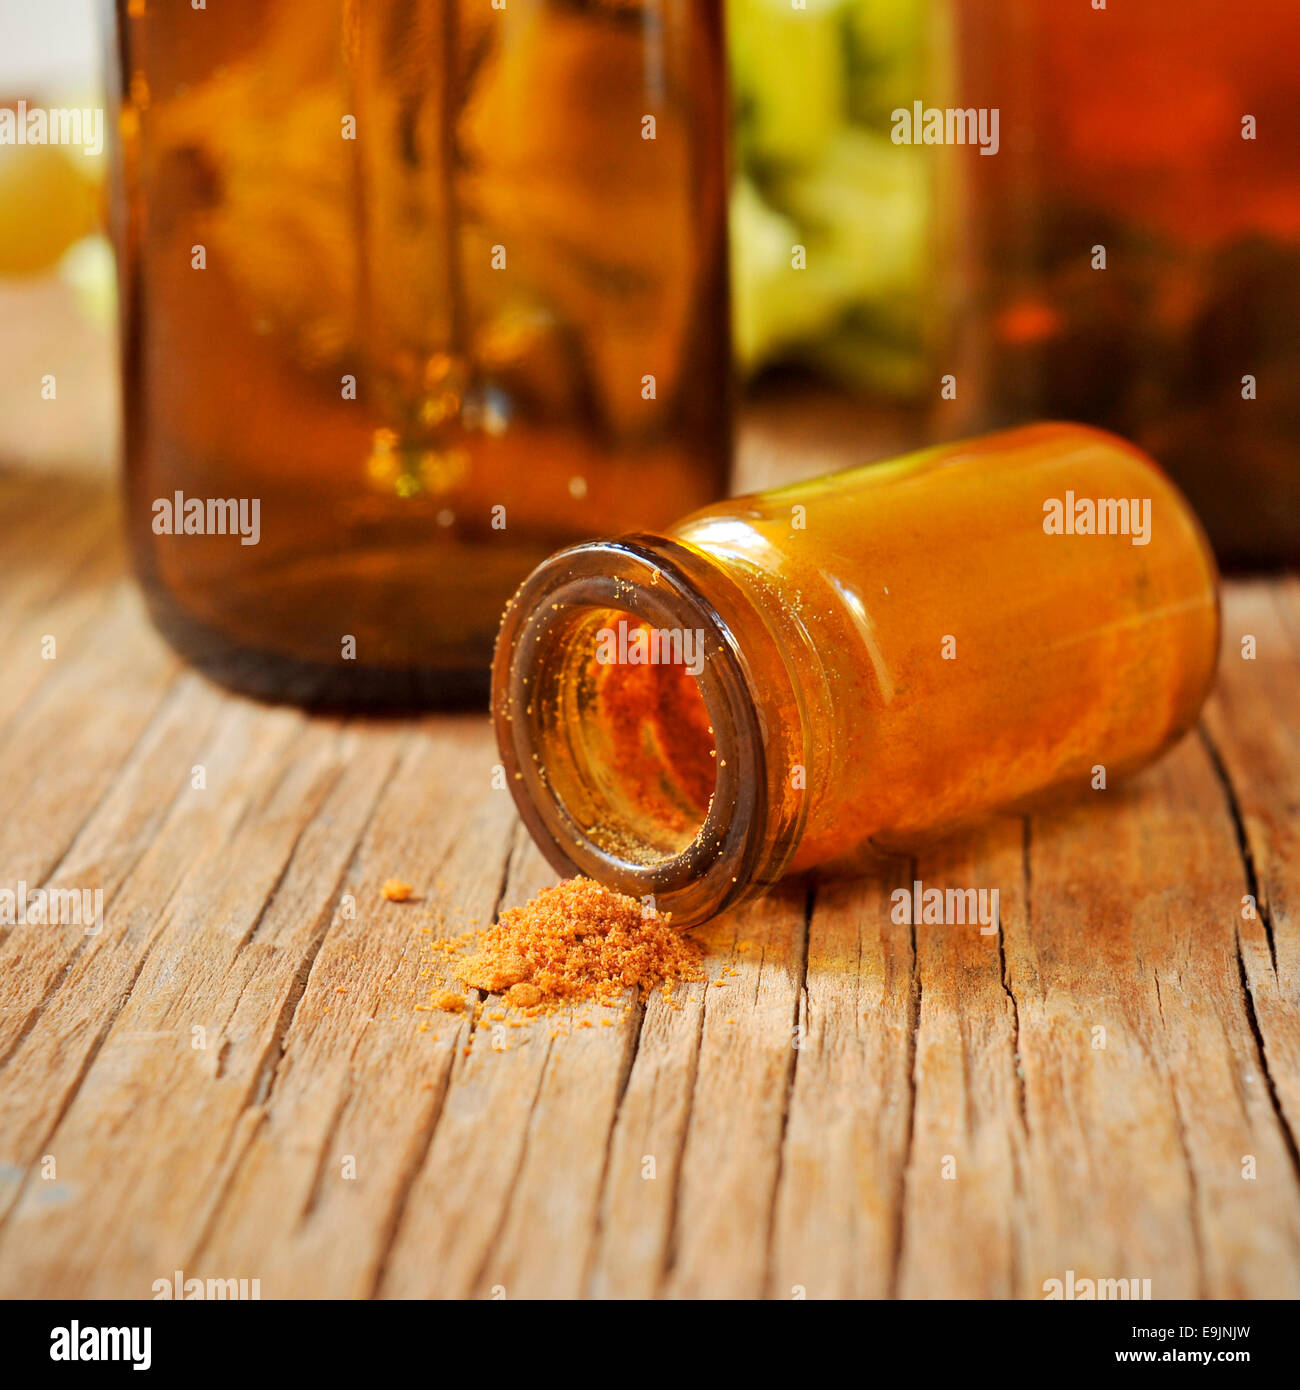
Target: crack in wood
{"x":258,"y":1094}
{"x":330,"y":783}
{"x":598,"y":1225}
{"x":168,"y":694}
{"x":507,"y":1206}
{"x":264,"y":1076}
{"x":798,"y":1020}
{"x":1253,"y":884}
{"x":1288,"y":1135}
{"x":909,"y":1138}
{"x":1255,"y":888}
{"x":419,"y":1152}
{"x":1193,"y":1192}
{"x":1017,"y":1065}
{"x":679,"y":1163}
{"x":451,"y":1071}
{"x":82,"y":1072}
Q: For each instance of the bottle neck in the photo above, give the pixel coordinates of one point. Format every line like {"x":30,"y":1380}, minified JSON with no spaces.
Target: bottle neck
{"x":602,"y":746}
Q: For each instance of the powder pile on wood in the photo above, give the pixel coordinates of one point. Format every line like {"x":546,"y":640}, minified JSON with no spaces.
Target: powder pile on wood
{"x":575,"y":943}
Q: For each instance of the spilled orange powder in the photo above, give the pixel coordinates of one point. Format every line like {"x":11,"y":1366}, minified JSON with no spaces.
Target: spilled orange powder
{"x":574,"y":943}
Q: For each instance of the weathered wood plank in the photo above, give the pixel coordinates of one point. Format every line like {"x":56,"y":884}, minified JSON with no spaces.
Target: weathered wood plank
{"x":523,"y":1223}
{"x":62,"y":748}
{"x":546,"y":1192}
{"x":55,"y":542}
{"x":331,"y":1147}
{"x":1138,"y":1134}
{"x":634,"y":1234}
{"x":112,"y":1053}
{"x":460,"y":1196}
{"x":34,"y":960}
{"x":548,"y":1221}
{"x":1187,"y":1065}
{"x":66,"y":615}
{"x":863,"y":1108}
{"x":965,"y":1170}
{"x":840,"y":1196}
{"x":1253,"y":735}
{"x":727,"y":1179}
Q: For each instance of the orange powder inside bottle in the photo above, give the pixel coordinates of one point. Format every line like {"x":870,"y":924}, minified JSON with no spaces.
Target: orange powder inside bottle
{"x":661,"y":741}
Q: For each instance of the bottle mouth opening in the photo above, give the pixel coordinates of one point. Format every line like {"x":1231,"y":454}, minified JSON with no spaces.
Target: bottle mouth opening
{"x":628,"y":729}
{"x":636,"y":762}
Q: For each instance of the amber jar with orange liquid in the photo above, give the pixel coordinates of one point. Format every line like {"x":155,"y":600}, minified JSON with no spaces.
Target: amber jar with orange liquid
{"x":852,"y":666}
{"x":1134,"y":247}
{"x":441,"y":286}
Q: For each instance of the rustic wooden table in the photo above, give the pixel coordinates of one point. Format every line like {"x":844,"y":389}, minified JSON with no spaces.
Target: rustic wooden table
{"x":232,"y":1078}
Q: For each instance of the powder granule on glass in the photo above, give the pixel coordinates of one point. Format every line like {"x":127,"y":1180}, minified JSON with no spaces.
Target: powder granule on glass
{"x":577,"y":942}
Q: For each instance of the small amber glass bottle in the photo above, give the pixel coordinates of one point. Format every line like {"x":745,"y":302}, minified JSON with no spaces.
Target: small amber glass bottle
{"x":854,"y":665}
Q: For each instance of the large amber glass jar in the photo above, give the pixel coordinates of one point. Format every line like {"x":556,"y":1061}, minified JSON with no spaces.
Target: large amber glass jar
{"x":1135,"y":244}
{"x":414,"y":291}
{"x":853,"y":665}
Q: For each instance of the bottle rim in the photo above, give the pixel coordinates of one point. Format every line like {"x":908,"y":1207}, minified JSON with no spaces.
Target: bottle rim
{"x":643,"y":577}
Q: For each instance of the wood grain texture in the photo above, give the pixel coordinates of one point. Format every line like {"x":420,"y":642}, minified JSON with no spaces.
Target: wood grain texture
{"x":234,"y":1077}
